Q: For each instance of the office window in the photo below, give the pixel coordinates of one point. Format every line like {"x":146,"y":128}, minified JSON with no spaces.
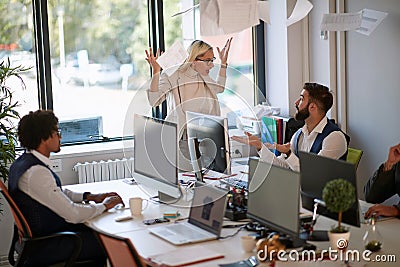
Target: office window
{"x":17,"y":45}
{"x":97,"y":57}
{"x":98,"y":68}
{"x":239,"y":92}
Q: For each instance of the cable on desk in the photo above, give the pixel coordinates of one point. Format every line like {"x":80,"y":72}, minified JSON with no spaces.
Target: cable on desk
{"x":153,"y":198}
{"x":235,"y":233}
{"x":234,"y":225}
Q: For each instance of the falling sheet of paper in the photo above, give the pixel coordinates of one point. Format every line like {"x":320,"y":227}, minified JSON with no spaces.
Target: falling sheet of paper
{"x":341,"y":21}
{"x":171,"y":59}
{"x":300,"y":11}
{"x":370,"y":20}
{"x":219,"y":17}
{"x":263,"y":11}
{"x":237,"y":15}
{"x":185,"y":11}
{"x":209,"y":17}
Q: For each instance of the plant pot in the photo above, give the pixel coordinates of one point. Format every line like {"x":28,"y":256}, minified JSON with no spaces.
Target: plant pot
{"x":339,"y":241}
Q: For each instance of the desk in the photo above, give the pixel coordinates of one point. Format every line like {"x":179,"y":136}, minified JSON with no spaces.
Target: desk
{"x":148,"y":244}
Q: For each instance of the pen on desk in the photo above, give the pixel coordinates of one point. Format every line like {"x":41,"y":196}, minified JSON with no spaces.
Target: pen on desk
{"x":244,"y":172}
{"x":188,"y":174}
{"x":191,"y":175}
{"x":219,"y":178}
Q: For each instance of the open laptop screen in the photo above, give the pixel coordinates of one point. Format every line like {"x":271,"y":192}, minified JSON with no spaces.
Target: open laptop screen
{"x":208,"y":208}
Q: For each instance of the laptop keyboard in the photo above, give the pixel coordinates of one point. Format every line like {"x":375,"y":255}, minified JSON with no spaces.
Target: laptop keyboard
{"x":183,"y":230}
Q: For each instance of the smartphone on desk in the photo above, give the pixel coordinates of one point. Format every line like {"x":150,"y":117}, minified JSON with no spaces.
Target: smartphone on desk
{"x":154,"y":221}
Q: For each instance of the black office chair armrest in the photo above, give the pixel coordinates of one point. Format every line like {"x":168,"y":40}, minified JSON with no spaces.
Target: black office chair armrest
{"x":29,"y":245}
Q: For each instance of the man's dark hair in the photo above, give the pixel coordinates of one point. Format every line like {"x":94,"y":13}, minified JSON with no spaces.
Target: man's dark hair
{"x":35,"y":127}
{"x":319,"y":95}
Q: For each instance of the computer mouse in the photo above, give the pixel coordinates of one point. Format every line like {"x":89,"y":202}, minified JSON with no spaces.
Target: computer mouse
{"x":119,"y":206}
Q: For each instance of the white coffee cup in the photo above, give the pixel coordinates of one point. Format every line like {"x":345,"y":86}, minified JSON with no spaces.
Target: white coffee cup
{"x":248,"y":243}
{"x":136,"y":205}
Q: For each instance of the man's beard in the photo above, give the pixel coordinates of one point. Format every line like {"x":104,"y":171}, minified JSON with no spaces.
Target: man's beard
{"x":303,"y":114}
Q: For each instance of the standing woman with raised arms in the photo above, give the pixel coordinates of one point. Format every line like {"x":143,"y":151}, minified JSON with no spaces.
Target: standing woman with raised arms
{"x":190,"y":88}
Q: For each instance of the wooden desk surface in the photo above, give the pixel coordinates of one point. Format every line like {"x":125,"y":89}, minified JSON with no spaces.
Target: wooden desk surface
{"x":148,"y":244}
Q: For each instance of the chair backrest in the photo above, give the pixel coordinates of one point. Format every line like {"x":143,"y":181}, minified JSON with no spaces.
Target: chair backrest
{"x":120,"y":251}
{"x":23,"y":227}
{"x":354,"y":156}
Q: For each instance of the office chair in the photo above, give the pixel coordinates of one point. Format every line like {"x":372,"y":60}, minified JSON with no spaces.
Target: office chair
{"x":120,"y":251}
{"x":25,"y":244}
{"x":354,"y":156}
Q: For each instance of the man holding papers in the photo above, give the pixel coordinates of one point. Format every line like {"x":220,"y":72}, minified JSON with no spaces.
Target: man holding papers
{"x":319,"y":135}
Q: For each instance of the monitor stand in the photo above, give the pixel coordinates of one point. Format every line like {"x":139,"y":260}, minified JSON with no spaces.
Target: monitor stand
{"x":166,"y":199}
{"x":318,"y":235}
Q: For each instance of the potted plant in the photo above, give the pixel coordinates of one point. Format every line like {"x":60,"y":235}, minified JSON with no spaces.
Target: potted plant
{"x":8,"y":115}
{"x":339,"y":195}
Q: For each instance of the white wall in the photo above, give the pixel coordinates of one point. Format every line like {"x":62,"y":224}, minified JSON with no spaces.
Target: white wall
{"x":372,"y":80}
{"x":373,"y":84}
{"x":318,"y":49}
{"x":277,"y":59}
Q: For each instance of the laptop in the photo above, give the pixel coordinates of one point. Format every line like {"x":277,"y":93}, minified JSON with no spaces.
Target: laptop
{"x":205,"y":218}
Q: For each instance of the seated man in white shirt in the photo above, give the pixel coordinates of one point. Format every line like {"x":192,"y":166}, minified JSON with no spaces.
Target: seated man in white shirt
{"x":319,"y":135}
{"x":46,"y":206}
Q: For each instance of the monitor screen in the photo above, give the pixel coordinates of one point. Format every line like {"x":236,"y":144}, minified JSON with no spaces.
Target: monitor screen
{"x":155,"y":154}
{"x":211,"y":133}
{"x":274,"y":197}
{"x":315,"y":172}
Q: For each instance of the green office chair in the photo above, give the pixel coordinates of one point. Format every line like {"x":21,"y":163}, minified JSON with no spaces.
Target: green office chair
{"x":354,"y":156}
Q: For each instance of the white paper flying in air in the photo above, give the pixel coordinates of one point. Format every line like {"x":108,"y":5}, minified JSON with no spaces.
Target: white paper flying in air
{"x":171,"y":59}
{"x":185,"y":11}
{"x":263,"y":11}
{"x":219,"y":17}
{"x":209,"y":18}
{"x":237,"y":15}
{"x":341,"y":21}
{"x":370,"y":20}
{"x":300,"y":11}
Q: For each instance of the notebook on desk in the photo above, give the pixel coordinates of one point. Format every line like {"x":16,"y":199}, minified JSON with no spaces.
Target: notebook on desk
{"x":205,"y":218}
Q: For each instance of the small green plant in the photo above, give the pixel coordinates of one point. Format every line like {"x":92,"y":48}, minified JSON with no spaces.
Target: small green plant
{"x":339,"y":195}
{"x":8,"y":115}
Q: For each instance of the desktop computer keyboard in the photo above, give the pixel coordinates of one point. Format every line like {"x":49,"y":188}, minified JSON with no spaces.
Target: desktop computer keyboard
{"x":235,"y":182}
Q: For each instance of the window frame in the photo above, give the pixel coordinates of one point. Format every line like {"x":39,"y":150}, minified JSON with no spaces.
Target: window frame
{"x":156,"y":40}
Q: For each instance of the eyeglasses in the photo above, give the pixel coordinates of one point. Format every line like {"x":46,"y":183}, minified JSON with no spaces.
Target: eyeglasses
{"x":208,"y":61}
{"x":58,"y":131}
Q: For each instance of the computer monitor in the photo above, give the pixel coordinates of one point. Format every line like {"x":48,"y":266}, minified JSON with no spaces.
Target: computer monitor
{"x":274,"y":198}
{"x":155,"y":154}
{"x":315,"y":172}
{"x":211,"y":133}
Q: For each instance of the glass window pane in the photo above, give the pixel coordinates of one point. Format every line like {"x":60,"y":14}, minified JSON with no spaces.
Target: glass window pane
{"x":239,"y":90}
{"x":97,"y":52}
{"x":17,"y":45}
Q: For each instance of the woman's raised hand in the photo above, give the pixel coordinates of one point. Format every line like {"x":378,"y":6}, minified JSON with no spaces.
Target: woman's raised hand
{"x":152,"y":59}
{"x":223,"y":54}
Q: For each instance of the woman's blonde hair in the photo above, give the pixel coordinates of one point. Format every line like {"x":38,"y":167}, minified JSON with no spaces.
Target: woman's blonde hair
{"x":196,"y":49}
